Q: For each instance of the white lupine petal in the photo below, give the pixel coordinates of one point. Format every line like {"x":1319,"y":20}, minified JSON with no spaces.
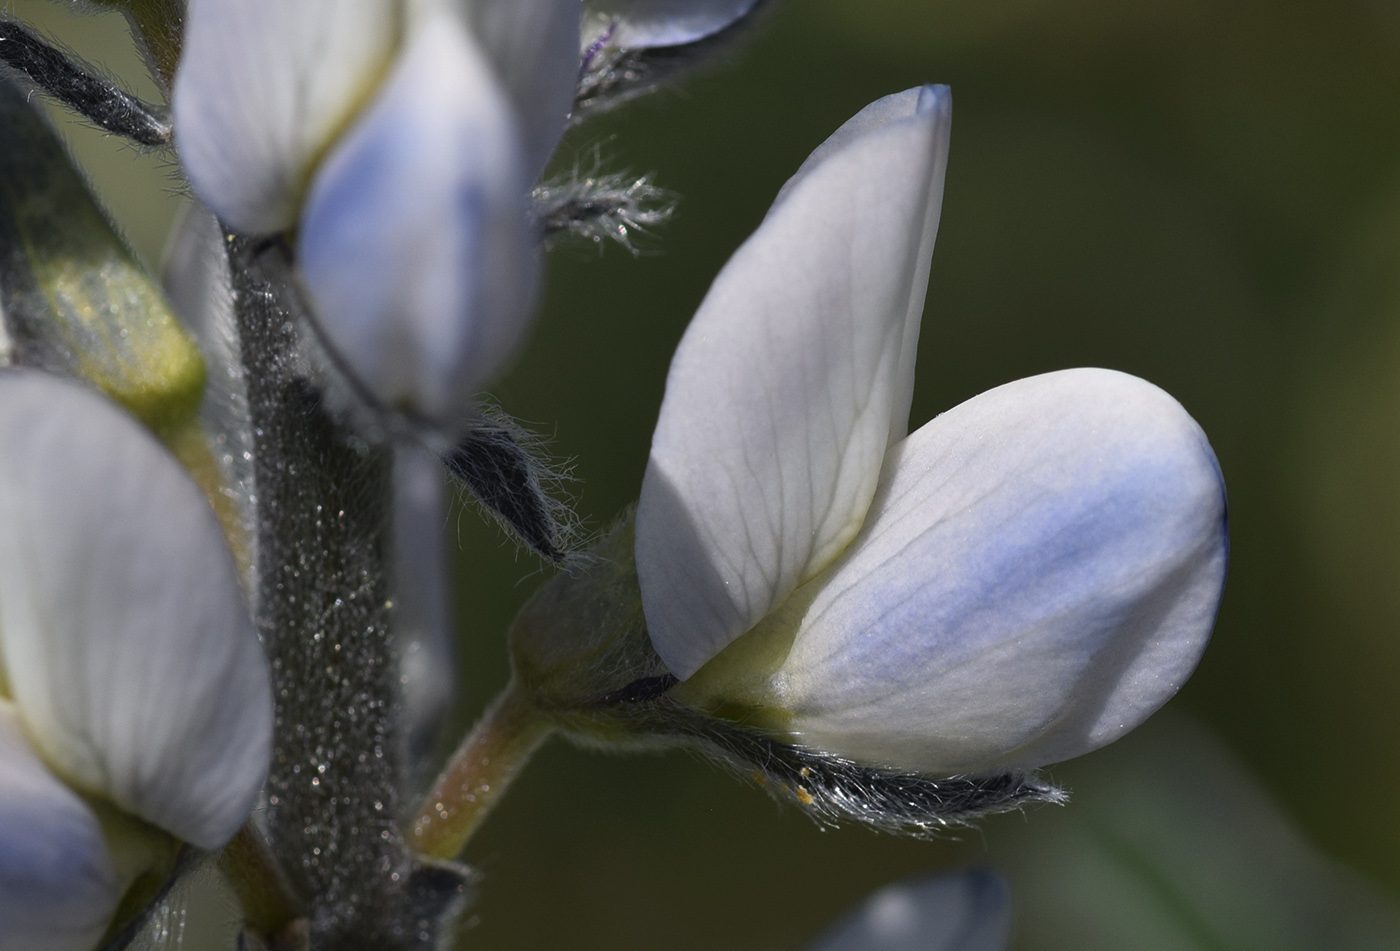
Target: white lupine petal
{"x":963,"y":911}
{"x":415,"y":244}
{"x":125,"y":640}
{"x":533,"y":45}
{"x":790,"y":383}
{"x":57,"y":887}
{"x":645,"y":24}
{"x":263,"y":86}
{"x":1039,"y":573}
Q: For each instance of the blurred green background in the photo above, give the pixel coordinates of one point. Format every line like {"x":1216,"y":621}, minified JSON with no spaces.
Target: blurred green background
{"x":1204,"y":194}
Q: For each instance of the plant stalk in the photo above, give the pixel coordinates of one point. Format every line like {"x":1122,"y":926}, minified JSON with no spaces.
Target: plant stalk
{"x":323,"y":616}
{"x":478,"y":774}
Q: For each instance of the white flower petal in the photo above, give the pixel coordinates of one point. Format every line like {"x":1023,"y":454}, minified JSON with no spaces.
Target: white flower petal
{"x":415,"y":245}
{"x":262,"y":88}
{"x":534,"y":47}
{"x":123,"y":634}
{"x":792,"y":380}
{"x":644,"y":24}
{"x":57,"y":887}
{"x":1040,"y":572}
{"x":963,"y":911}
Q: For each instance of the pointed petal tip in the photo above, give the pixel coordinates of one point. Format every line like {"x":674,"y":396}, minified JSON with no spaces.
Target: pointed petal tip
{"x":935,"y":100}
{"x":930,"y":107}
{"x":790,"y":383}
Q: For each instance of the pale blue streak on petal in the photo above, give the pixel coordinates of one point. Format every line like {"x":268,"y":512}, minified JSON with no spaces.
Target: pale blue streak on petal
{"x":57,"y":890}
{"x":1039,"y":573}
{"x":416,"y":247}
{"x":262,"y":88}
{"x":646,"y":24}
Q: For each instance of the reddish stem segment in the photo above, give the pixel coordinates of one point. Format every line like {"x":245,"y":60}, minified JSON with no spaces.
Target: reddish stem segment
{"x":477,"y":775}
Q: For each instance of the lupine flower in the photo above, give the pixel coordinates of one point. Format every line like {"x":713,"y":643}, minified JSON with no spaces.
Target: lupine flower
{"x":135,"y":703}
{"x":1022,"y":580}
{"x":400,"y":139}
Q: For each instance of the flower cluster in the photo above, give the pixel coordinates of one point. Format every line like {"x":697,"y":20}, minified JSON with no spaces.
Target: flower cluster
{"x":895,"y":627}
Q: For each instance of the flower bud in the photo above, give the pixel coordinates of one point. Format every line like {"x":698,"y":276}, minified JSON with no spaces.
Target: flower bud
{"x":533,"y":45}
{"x":416,"y":246}
{"x":398,"y":141}
{"x":74,"y":299}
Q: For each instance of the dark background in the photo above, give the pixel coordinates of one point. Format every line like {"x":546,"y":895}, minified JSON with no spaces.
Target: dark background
{"x":1204,"y":194}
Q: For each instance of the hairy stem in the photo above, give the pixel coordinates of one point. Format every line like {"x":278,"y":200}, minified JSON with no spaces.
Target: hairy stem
{"x":323,"y":614}
{"x":478,"y":774}
{"x":79,"y":87}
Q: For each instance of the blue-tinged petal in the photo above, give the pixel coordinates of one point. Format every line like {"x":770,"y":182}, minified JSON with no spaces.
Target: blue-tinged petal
{"x":416,"y":246}
{"x":263,"y":87}
{"x":645,"y":24}
{"x":1039,"y":573}
{"x":124,"y":639}
{"x":959,"y":911}
{"x":533,"y":45}
{"x":57,"y":887}
{"x":790,"y":384}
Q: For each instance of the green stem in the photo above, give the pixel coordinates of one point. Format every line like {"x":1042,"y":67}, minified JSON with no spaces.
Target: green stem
{"x":269,"y":906}
{"x":478,"y":774}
